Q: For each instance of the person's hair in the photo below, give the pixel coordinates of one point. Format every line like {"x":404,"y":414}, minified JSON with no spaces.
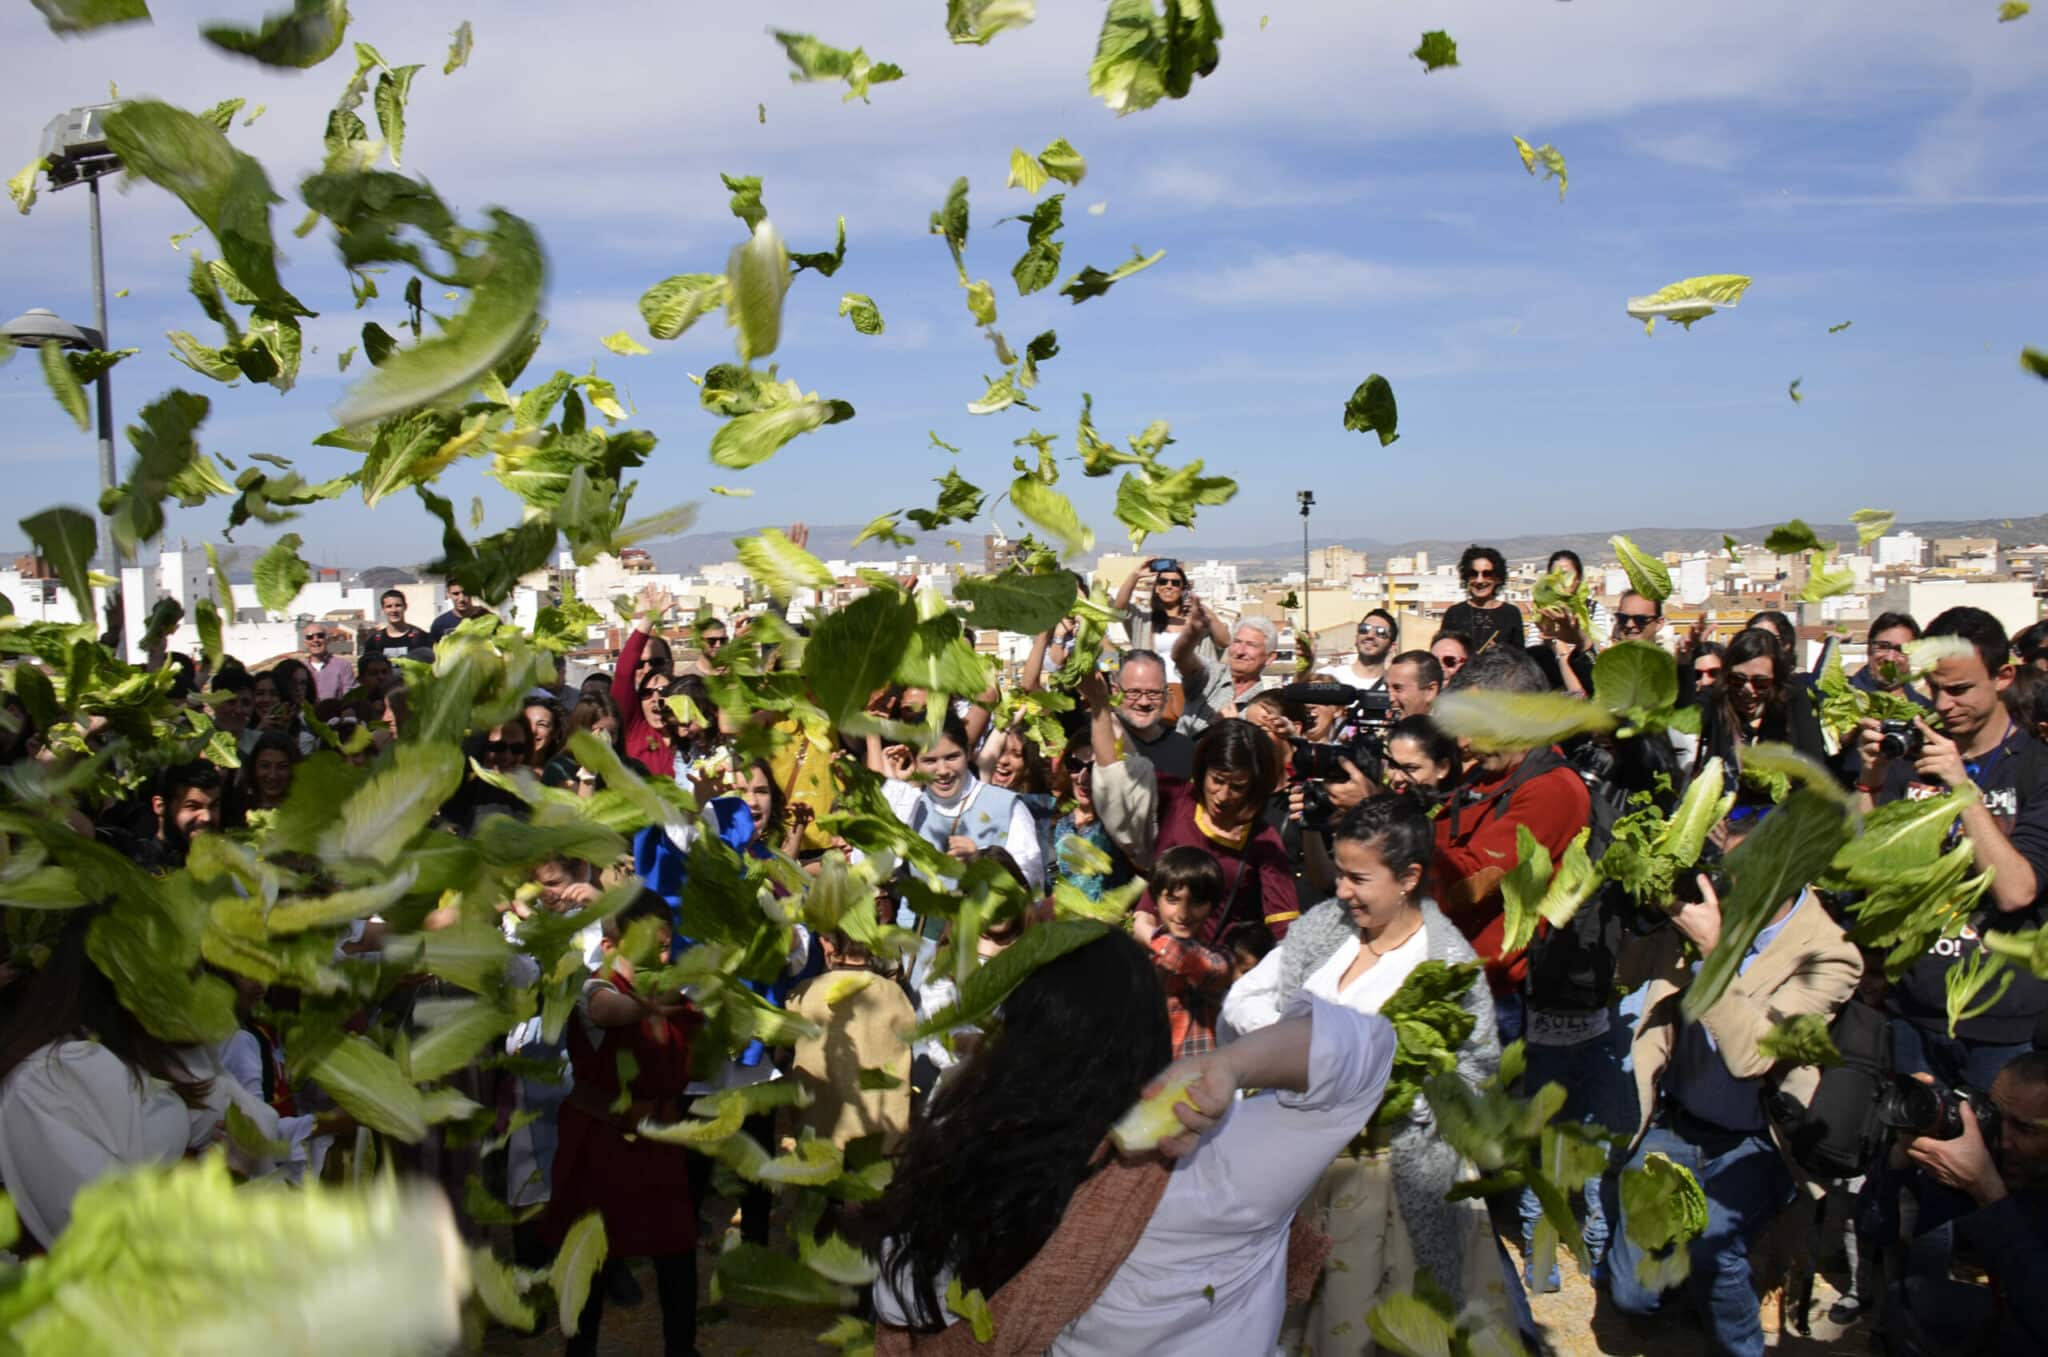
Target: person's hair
{"x":187,"y":681}
{"x":1006,"y":860}
{"x":1500,"y":671}
{"x":645,"y":905}
{"x":658,"y":650}
{"x":1473,"y":555}
{"x":1233,"y":745}
{"x":1395,"y":826}
{"x":69,"y":998}
{"x":1985,"y":633}
{"x":955,"y":729}
{"x":198,"y":775}
{"x":1252,"y":936}
{"x":1292,"y":711}
{"x":589,"y":710}
{"x":1437,"y":746}
{"x":1036,"y":777}
{"x":1429,"y":671}
{"x":1393,"y":624}
{"x":1891,"y":622}
{"x":1138,"y":655}
{"x":1714,"y":648}
{"x":1780,"y":625}
{"x":982,"y":1180}
{"x":1268,"y":633}
{"x":398,"y":594}
{"x":1160,"y":619}
{"x":601,"y":677}
{"x":778,"y":799}
{"x":558,"y":729}
{"x":269,"y":739}
{"x":1188,"y":868}
{"x":1463,"y":641}
{"x":2030,"y":643}
{"x":286,"y":674}
{"x":1656,"y":605}
{"x":234,"y":680}
{"x":1565,"y":554}
{"x":2028,"y":1068}
{"x":2026,"y":698}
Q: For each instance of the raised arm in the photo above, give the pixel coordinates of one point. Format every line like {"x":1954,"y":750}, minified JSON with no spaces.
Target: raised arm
{"x":1129,"y":587}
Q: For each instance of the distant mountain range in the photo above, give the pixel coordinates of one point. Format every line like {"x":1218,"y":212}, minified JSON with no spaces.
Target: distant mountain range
{"x":829,"y":541}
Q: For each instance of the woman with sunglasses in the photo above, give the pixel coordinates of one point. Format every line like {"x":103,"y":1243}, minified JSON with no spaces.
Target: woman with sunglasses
{"x":640,"y":689}
{"x":1484,"y":615}
{"x":1756,"y":700}
{"x":1073,"y":786}
{"x":1159,"y":624}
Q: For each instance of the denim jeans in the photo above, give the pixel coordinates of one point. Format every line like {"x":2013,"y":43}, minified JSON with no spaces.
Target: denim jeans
{"x":1746,"y":1184}
{"x":1598,"y":1092}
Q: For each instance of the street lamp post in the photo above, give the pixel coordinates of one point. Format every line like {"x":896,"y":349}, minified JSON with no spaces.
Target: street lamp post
{"x":75,"y":152}
{"x":1308,"y":501}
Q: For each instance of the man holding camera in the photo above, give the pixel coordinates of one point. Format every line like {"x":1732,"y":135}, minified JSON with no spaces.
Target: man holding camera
{"x":1701,"y":1087}
{"x":1981,"y":751}
{"x":2000,"y":1163}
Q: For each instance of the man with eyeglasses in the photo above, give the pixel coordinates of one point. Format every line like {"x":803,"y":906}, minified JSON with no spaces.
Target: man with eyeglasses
{"x":332,"y":675}
{"x":1887,"y":669}
{"x":1141,"y":719}
{"x":711,"y":641}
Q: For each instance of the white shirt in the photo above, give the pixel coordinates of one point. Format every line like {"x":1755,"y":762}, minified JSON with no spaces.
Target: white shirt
{"x":1254,"y":1001}
{"x":1223,"y":1221}
{"x":73,"y":1111}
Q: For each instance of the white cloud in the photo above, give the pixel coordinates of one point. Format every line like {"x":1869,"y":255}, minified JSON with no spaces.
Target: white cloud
{"x":1693,"y":149}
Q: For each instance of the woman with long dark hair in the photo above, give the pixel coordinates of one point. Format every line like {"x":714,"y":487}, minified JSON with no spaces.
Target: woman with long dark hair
{"x":1757,"y":700}
{"x":1383,"y":1200}
{"x":87,"y":1090}
{"x":267,"y":772}
{"x":1157,"y":624}
{"x":1218,"y":810}
{"x":1008,"y":1187}
{"x":1485,"y":616}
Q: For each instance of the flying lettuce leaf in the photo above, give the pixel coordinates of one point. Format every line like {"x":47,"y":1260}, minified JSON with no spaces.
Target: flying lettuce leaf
{"x":1040,"y":263}
{"x":861,"y":309}
{"x":2033,"y":360}
{"x":1837,"y":329}
{"x":1143,"y":56}
{"x":1802,"y":1039}
{"x":2014,"y":9}
{"x":21,"y":189}
{"x":1053,"y":513}
{"x":280,"y":574}
{"x":1093,"y":282}
{"x":506,"y":282}
{"x":978,"y":21}
{"x":780,"y":564}
{"x":1665,"y":1210}
{"x":1371,"y":409}
{"x":1647,"y":575}
{"x":460,"y":42}
{"x":672,"y":305}
{"x":64,"y":384}
{"x":1430,"y":1024}
{"x":624,"y":345}
{"x":1025,"y":172}
{"x":815,"y":60}
{"x":1508,"y":721}
{"x":65,"y":537}
{"x":1436,"y":50}
{"x":1793,"y":390}
{"x":1689,"y":300}
{"x":303,"y":36}
{"x":576,"y":1267}
{"x":757,"y":278}
{"x":1016,"y":601}
{"x":1789,"y":539}
{"x":66,"y":17}
{"x":951,"y":221}
{"x":1546,"y":155}
{"x":1872,"y":524}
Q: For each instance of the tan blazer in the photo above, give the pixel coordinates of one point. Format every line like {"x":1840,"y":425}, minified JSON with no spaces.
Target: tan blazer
{"x":1810,"y":967}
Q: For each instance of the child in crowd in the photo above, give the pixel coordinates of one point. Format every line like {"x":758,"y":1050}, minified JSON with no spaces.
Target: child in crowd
{"x":1247,"y":944}
{"x":1188,"y":884}
{"x":640,"y":1186}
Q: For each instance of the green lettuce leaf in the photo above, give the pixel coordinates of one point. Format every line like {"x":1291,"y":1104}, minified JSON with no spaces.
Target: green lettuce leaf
{"x":1689,"y":300}
{"x":861,"y":308}
{"x":1371,"y":409}
{"x":1802,"y":1039}
{"x":66,"y":17}
{"x":64,"y":385}
{"x":780,"y":565}
{"x":1647,"y":575}
{"x":673,"y":305}
{"x":1143,"y":56}
{"x":280,"y":574}
{"x":1547,"y":156}
{"x":460,"y":43}
{"x":815,"y":60}
{"x":1093,"y":282}
{"x":1436,"y":50}
{"x":302,"y":37}
{"x":576,"y":1266}
{"x":978,"y":21}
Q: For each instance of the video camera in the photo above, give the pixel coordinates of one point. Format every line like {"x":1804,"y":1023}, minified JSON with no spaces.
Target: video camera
{"x":1369,"y":715}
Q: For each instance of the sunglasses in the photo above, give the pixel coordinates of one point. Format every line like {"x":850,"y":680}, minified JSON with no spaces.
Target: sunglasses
{"x":713,"y":642}
{"x":1078,"y":763}
{"x":1756,"y":683}
{"x":316,"y":635}
{"x":1705,"y":670}
{"x":1483,"y":575}
{"x":1375,"y":629}
{"x":1634,"y":621}
{"x":1169,"y":584}
{"x":659,"y":666}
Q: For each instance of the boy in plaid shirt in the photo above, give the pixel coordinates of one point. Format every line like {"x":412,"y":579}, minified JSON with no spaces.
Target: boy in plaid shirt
{"x":1188,"y":885}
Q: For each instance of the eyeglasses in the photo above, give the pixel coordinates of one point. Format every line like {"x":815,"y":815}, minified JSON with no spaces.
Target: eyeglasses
{"x":1078,"y":763}
{"x":1634,"y":621}
{"x":1756,"y":683}
{"x":1375,"y":629}
{"x":713,"y":642}
{"x":316,"y":635}
{"x":1147,"y":696}
{"x":1486,"y":574}
{"x":1887,"y":648}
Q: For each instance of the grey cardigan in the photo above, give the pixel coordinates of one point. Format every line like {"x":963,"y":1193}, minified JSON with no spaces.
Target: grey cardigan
{"x":1424,"y":1167}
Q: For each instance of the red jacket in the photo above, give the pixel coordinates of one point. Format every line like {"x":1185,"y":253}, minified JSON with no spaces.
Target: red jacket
{"x":637,"y":739}
{"x":1475,"y":847}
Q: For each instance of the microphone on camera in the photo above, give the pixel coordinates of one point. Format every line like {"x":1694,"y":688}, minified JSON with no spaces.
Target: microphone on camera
{"x":1320,"y":694}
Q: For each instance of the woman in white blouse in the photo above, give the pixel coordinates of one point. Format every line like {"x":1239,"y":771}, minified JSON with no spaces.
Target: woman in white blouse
{"x":85,"y":1090}
{"x":1382,"y":1200}
{"x":1009,"y":1187}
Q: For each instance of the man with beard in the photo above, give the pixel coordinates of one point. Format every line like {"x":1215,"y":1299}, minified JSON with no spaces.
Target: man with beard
{"x":1377,"y":633}
{"x":186,"y":803}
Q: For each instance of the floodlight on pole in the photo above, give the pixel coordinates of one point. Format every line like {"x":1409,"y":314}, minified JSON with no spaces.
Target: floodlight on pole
{"x":1307,"y":499}
{"x":75,"y":151}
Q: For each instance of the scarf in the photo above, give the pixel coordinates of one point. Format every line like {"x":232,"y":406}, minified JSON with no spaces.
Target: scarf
{"x":1233,"y":839}
{"x":1102,"y":1223}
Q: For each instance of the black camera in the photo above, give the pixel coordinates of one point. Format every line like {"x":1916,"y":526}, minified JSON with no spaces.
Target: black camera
{"x":1900,"y":739}
{"x":1685,"y":887}
{"x":1914,"y":1109}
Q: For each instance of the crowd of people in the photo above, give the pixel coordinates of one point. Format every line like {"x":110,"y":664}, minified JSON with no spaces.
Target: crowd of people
{"x":1280,"y":856}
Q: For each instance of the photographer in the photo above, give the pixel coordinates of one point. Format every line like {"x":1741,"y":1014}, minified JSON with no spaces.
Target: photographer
{"x":1978,"y":746}
{"x":2001,"y":1164}
{"x":1701,"y":1089}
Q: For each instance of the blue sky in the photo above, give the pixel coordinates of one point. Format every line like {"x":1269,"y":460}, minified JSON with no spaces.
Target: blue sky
{"x":1327,"y":208}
